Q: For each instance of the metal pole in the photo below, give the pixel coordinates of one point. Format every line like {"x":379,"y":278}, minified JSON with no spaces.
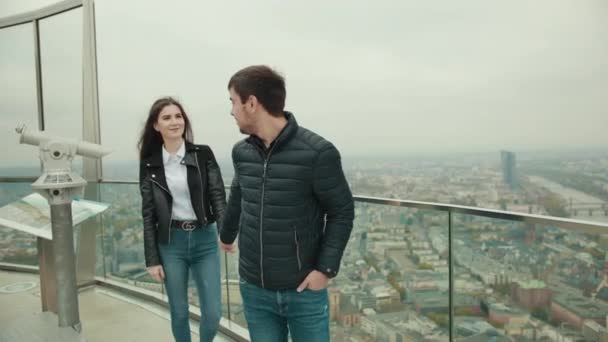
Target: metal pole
{"x":65,"y":266}
{"x":38,"y":68}
{"x":227,"y":285}
{"x":451,"y":276}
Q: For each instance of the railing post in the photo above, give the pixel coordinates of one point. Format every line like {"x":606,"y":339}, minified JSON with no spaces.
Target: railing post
{"x":451,"y":276}
{"x":38,"y":68}
{"x":227,"y":285}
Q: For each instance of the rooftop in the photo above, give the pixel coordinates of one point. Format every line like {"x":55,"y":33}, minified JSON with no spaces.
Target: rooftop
{"x":106,"y":314}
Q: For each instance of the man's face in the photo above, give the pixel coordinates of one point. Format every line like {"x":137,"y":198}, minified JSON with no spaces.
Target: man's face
{"x":242,"y":112}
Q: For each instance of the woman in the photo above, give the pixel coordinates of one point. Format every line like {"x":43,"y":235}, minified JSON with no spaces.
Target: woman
{"x":183,"y":196}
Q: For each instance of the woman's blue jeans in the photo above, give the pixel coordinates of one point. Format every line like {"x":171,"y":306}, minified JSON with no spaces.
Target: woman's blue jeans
{"x":196,"y":251}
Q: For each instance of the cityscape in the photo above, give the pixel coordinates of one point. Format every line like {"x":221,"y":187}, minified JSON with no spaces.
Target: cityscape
{"x":513,"y":281}
{"x":472,"y":135}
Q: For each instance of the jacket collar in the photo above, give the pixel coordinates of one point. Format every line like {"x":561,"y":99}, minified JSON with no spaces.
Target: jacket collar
{"x":156,"y":160}
{"x":288,"y":132}
{"x":189,"y":158}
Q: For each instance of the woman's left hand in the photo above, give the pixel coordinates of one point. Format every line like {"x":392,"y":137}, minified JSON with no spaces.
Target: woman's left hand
{"x":157,"y":272}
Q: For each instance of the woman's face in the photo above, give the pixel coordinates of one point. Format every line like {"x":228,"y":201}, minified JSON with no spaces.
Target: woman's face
{"x":170,"y":123}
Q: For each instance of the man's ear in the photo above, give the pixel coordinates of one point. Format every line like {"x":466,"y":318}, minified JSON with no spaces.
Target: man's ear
{"x":252,"y":104}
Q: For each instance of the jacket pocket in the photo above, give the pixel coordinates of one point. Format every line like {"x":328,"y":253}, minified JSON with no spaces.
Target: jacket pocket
{"x":297,"y":242}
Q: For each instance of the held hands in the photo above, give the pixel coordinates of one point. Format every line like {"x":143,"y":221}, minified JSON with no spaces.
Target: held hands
{"x":315,"y":281}
{"x":230,"y":248}
{"x":156,"y":272}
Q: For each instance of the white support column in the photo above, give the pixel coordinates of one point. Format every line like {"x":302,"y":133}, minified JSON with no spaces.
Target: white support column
{"x":92,"y":171}
{"x":90,"y":97}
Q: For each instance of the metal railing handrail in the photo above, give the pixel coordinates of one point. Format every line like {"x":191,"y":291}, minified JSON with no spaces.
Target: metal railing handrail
{"x":584,"y":226}
{"x":44,"y":12}
{"x":18,"y":179}
{"x":571,"y":224}
{"x":588,"y":227}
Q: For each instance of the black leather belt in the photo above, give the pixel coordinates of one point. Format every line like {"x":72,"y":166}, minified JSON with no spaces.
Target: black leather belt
{"x":186,"y":225}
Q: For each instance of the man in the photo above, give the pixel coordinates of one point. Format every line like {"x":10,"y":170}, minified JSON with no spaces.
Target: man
{"x":292,"y":208}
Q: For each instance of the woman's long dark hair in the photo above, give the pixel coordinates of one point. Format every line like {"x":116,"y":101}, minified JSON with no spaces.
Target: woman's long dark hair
{"x":151,"y":141}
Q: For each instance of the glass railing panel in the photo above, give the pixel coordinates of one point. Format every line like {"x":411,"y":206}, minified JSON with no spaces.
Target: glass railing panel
{"x":15,"y":246}
{"x":393,"y":283}
{"x":231,"y":287}
{"x":519,"y":280}
{"x":18,"y":101}
{"x":121,"y":247}
{"x":231,"y":294}
{"x":61,"y":66}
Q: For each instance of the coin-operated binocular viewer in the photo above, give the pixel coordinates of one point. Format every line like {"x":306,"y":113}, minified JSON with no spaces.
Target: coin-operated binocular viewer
{"x":59,"y":185}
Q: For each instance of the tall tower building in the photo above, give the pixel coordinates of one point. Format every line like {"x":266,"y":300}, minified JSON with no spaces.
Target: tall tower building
{"x":509,"y":173}
{"x":363,"y":244}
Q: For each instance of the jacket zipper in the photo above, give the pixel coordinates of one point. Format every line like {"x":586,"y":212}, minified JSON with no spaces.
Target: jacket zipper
{"x":171,"y":217}
{"x":200,"y":176}
{"x":295,"y":237}
{"x":267,"y":157}
{"x":262,"y":223}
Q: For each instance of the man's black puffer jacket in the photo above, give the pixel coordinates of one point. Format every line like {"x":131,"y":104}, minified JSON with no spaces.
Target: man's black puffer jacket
{"x":291,"y":206}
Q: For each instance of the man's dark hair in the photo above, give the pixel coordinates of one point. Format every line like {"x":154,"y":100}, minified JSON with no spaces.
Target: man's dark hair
{"x":263,"y":83}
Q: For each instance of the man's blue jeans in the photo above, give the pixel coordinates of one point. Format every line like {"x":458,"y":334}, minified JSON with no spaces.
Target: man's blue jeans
{"x":272,"y":314}
{"x":195,"y":251}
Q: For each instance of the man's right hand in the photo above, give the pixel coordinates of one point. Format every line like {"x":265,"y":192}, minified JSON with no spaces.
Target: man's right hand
{"x":156,"y":272}
{"x":230,"y":248}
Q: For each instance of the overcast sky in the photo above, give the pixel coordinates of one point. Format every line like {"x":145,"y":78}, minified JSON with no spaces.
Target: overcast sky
{"x":390,"y":77}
